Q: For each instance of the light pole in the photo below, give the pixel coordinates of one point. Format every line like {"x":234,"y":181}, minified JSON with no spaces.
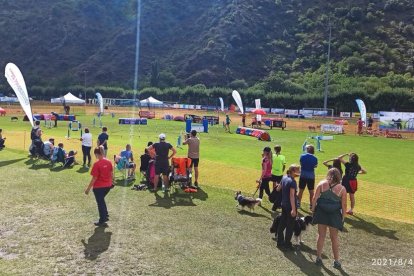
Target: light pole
{"x":84,"y":83}
{"x":325,"y":100}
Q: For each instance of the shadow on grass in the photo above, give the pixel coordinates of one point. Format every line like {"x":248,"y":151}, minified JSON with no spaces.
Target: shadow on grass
{"x":201,"y":195}
{"x":97,"y":243}
{"x":9,"y":162}
{"x":252,"y":214}
{"x":124,"y":182}
{"x":176,"y":198}
{"x":82,"y":170}
{"x":369,"y":227}
{"x":308,"y":267}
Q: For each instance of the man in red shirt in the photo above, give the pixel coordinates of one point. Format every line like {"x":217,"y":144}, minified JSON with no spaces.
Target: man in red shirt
{"x":360,"y":124}
{"x":102,"y":172}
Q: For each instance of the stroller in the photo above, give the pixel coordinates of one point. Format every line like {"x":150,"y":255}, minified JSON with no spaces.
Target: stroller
{"x":181,"y":172}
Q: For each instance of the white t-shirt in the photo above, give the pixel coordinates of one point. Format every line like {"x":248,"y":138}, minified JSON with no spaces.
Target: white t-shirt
{"x":87,"y":140}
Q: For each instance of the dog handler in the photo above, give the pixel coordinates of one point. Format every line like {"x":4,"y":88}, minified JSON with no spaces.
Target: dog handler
{"x":329,"y":205}
{"x":289,"y":205}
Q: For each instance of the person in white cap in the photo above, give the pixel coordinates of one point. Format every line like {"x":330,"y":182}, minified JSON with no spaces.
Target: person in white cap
{"x":162,"y":164}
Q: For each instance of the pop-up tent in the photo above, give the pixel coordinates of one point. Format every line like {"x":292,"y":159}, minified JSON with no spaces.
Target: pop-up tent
{"x":151,"y":101}
{"x":68,"y":99}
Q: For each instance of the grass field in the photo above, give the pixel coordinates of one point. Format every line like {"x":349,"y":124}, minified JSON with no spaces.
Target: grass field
{"x":46,"y":225}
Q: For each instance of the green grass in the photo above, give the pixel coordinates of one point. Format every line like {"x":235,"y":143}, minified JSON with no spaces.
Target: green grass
{"x":46,"y":228}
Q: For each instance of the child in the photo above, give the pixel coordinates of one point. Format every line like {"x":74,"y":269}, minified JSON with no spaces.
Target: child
{"x":70,"y":159}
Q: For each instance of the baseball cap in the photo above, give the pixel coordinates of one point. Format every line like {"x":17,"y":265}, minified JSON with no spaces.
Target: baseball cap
{"x":162,"y":136}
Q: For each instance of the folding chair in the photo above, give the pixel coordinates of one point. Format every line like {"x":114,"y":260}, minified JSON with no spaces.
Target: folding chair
{"x":121,"y":165}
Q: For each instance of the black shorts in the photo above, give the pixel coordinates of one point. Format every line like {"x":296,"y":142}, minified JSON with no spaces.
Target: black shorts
{"x":194,"y":162}
{"x":131,"y":165}
{"x":310,"y":182}
{"x":276,"y":178}
{"x":162,"y":169}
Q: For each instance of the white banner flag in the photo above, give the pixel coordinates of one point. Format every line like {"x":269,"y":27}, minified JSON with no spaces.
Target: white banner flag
{"x":258,"y":103}
{"x":16,"y":81}
{"x":100,"y":102}
{"x":237,"y":99}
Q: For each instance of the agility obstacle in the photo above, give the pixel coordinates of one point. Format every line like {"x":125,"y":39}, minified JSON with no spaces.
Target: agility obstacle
{"x":258,"y":133}
{"x":318,"y":142}
{"x":189,"y":126}
{"x":74,"y":126}
{"x":133,"y":121}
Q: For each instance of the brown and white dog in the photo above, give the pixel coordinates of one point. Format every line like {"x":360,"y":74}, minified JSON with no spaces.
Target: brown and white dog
{"x":248,"y":202}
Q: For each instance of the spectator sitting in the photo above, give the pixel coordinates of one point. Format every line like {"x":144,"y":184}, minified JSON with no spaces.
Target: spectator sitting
{"x":2,"y":139}
{"x":59,"y":154}
{"x":48,"y":147}
{"x":70,"y":159}
{"x":128,"y":156}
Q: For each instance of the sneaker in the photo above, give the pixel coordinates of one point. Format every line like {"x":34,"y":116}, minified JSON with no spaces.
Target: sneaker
{"x":100,"y":224}
{"x":318,"y":261}
{"x":337,"y":265}
{"x":349,"y":212}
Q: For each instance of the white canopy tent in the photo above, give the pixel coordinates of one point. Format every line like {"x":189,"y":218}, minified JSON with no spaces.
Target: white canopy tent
{"x":69,"y":99}
{"x":151,"y":101}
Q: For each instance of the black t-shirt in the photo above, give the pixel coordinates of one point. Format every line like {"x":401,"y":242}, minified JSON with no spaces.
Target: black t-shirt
{"x":161,"y":151}
{"x":351,"y":170}
{"x":102,"y":137}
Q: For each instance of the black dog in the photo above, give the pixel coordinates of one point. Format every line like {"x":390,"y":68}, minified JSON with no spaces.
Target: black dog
{"x":300,"y":226}
{"x":13,"y":119}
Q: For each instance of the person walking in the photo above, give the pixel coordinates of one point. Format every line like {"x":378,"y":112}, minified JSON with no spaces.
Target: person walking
{"x":279,"y":165}
{"x":360,"y":124}
{"x":329,"y":205}
{"x":266,"y":175}
{"x":308,"y":163}
{"x":103,"y":140}
{"x":86,"y":147}
{"x":193,"y":143}
{"x":289,"y":208}
{"x":162,"y":164}
{"x":227,"y":125}
{"x":101,"y":183}
{"x":349,"y":180}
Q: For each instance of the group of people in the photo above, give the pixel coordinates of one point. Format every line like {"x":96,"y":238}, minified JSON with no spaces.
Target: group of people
{"x":328,"y":202}
{"x":48,"y":150}
{"x":160,"y":153}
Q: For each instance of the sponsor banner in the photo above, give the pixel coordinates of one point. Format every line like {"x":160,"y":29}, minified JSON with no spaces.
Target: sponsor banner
{"x":237,"y":99}
{"x":332,"y":128}
{"x":258,"y":103}
{"x":291,"y":112}
{"x":345,"y":115}
{"x":362,"y":110}
{"x":15,"y":79}
{"x":277,"y":110}
{"x":9,"y":99}
{"x":403,"y":121}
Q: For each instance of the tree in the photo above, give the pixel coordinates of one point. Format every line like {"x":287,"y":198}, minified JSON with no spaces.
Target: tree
{"x":155,"y":74}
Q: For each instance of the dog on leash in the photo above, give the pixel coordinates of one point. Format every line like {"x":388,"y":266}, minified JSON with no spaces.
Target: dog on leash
{"x":300,"y":226}
{"x":13,"y":119}
{"x":248,"y":202}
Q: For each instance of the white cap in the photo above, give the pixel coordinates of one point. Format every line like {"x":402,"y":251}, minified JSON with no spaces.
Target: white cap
{"x":162,"y":136}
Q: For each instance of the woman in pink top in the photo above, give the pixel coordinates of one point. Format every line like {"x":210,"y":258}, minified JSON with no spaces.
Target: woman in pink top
{"x":266,"y":175}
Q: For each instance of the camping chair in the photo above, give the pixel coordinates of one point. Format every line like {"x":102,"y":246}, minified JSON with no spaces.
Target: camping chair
{"x":121,"y":166}
{"x":181,"y":172}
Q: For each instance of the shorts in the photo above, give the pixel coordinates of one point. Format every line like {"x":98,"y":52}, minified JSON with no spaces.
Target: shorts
{"x":194,"y":162}
{"x":350,"y":189}
{"x":276,"y":178}
{"x":162,"y":169}
{"x":310,"y":182}
{"x":131,"y":165}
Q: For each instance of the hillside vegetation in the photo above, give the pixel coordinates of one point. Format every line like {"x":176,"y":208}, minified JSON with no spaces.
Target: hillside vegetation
{"x":270,"y":48}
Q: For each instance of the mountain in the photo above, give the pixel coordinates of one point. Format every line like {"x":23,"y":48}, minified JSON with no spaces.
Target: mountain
{"x":211,"y":42}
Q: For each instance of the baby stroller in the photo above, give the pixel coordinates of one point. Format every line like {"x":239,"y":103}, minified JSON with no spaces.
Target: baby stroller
{"x":181,"y":172}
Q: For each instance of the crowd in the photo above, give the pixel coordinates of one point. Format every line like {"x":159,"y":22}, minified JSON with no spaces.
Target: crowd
{"x":328,"y":202}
